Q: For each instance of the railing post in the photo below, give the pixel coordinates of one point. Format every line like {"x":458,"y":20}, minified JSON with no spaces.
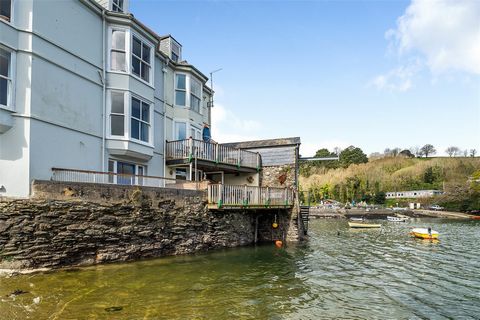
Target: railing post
{"x":217,"y":154}
{"x":220,"y":196}
{"x":190,"y":148}
{"x":239,"y":158}
{"x":245,"y":200}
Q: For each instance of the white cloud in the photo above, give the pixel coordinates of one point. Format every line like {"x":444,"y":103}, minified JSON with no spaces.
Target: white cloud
{"x":445,"y":32}
{"x":443,"y":35}
{"x":398,"y":79}
{"x":228,"y":127}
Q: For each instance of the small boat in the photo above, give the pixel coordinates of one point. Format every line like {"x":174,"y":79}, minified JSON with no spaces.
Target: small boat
{"x":424,"y":233}
{"x":356,"y":219}
{"x":397,"y":219}
{"x":363,"y":225}
{"x":476,"y":217}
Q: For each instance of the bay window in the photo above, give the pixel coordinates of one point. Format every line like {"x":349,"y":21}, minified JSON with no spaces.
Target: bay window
{"x":140,"y":120}
{"x":6,"y":86}
{"x":180,"y":90}
{"x":188,"y":92}
{"x":140,"y":59}
{"x":6,"y":10}
{"x":117,"y":114}
{"x":130,"y":117}
{"x":195,"y":94}
{"x":118,"y":52}
{"x":130,"y":54}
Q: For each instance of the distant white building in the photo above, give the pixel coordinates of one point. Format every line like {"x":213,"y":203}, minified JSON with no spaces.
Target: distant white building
{"x":413,"y":194}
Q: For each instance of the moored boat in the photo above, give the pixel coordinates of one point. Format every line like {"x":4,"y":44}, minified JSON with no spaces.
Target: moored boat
{"x":424,"y":233}
{"x":396,"y":219}
{"x":356,"y":219}
{"x":363,"y":225}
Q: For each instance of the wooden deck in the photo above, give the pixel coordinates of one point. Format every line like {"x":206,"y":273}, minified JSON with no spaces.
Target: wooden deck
{"x":221,"y":197}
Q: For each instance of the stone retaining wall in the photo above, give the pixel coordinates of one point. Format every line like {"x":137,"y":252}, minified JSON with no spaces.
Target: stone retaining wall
{"x":69,"y":224}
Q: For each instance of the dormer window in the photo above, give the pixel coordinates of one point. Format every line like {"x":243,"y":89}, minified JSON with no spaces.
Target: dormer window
{"x":175,"y":52}
{"x":5,"y":9}
{"x":117,"y":6}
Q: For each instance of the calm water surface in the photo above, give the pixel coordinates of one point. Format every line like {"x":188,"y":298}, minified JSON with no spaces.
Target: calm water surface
{"x":338,"y":274}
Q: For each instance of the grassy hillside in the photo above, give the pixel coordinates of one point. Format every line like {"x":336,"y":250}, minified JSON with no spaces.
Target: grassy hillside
{"x":365,"y":181}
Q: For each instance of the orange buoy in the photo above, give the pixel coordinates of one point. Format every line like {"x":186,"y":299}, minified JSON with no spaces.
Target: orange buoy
{"x":278,"y":243}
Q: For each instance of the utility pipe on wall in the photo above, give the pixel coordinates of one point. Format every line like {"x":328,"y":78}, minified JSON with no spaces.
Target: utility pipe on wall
{"x":104,"y":96}
{"x":164,"y":70}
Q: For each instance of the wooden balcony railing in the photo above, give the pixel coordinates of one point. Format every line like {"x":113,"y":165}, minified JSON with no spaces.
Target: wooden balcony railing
{"x":221,"y":195}
{"x":85,"y":176}
{"x":192,"y":148}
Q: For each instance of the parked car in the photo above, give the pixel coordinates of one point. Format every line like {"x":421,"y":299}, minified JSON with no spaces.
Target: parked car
{"x":435,"y":207}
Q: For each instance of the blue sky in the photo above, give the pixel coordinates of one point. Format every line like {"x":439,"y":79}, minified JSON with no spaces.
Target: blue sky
{"x":373,"y":74}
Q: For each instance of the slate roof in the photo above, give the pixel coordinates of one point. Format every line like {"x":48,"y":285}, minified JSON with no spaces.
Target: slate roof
{"x":264,"y":143}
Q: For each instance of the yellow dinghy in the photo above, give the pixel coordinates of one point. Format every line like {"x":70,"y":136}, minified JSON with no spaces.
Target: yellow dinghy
{"x":363,"y":225}
{"x":424,"y":233}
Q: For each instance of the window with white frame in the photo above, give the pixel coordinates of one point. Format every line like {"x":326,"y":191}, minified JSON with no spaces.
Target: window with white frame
{"x":6,"y":9}
{"x":195,"y":94}
{"x":117,"y":113}
{"x":118,"y":51}
{"x":180,"y":130}
{"x":117,"y":5}
{"x":6,"y":86}
{"x":180,"y":89}
{"x":126,"y":173}
{"x":140,"y":120}
{"x":195,"y":133}
{"x":140,"y":59}
{"x":175,"y":52}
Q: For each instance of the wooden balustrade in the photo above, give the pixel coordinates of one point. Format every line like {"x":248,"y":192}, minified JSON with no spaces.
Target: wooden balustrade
{"x":192,"y":148}
{"x":222,"y":195}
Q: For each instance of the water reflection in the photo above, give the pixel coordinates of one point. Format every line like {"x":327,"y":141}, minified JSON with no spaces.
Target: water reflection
{"x":339,"y":273}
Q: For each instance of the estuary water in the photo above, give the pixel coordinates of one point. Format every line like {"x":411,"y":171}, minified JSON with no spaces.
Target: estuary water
{"x":339,"y":274}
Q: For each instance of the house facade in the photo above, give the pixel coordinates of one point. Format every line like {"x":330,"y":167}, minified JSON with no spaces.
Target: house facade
{"x":87,"y":86}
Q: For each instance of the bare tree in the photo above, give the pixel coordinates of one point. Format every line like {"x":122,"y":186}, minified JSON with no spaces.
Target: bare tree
{"x":416,"y":151}
{"x":452,"y":151}
{"x":427,"y":150}
{"x":387,"y":152}
{"x":396,"y":151}
{"x":465,"y":153}
{"x":473,"y":152}
{"x":337,"y":150}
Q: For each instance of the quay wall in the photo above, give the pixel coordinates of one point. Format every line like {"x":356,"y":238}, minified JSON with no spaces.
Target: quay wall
{"x":73,"y":224}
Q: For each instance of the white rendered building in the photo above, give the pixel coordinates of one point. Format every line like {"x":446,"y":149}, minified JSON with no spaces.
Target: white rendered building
{"x":86,"y":86}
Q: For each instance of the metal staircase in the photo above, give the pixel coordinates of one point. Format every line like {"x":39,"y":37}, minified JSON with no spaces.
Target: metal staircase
{"x":305,"y":216}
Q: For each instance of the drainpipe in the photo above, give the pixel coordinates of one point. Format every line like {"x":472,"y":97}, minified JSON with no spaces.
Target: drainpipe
{"x":104,"y":116}
{"x":164,"y":70}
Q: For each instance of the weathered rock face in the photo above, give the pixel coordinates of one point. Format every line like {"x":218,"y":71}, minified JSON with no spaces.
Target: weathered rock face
{"x":278,"y":176}
{"x":80,"y":224}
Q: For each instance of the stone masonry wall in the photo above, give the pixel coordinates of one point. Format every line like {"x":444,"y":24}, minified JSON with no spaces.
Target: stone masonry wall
{"x":278,"y":176}
{"x":72,"y":224}
{"x":67,"y":224}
